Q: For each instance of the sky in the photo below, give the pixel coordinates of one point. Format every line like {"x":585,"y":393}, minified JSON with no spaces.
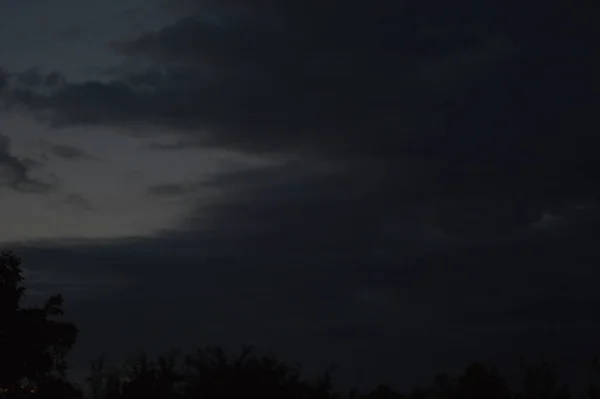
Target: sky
{"x":398,"y":188}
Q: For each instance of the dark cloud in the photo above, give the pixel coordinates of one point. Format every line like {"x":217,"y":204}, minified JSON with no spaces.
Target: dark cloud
{"x":4,"y":78}
{"x":70,"y":152}
{"x":459,"y":107}
{"x":178,"y":145}
{"x":72,"y":33}
{"x":31,"y":78}
{"x":15,"y":173}
{"x":34,"y":78}
{"x":78,"y":202}
{"x":172,"y":189}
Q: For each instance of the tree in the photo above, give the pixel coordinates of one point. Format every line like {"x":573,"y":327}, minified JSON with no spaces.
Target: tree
{"x":33,"y":344}
{"x":542,"y":381}
{"x":207,"y":373}
{"x":477,"y":381}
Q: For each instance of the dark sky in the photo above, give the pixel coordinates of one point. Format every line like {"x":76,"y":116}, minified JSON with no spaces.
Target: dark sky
{"x":396,"y":187}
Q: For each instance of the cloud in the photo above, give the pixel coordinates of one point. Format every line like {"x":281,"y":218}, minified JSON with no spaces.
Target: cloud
{"x":78,"y":202}
{"x":15,"y":173}
{"x":70,"y":34}
{"x":548,"y":222}
{"x":443,"y":110}
{"x":178,"y":145}
{"x":72,"y":283}
{"x":35,"y":78}
{"x":4,"y":78}
{"x":69,"y":152}
{"x":173,"y":189}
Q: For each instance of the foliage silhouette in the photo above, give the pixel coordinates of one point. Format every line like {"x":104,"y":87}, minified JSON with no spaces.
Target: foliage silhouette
{"x":212,"y":374}
{"x":207,"y":373}
{"x":538,"y":381}
{"x":33,"y":344}
{"x":542,"y":381}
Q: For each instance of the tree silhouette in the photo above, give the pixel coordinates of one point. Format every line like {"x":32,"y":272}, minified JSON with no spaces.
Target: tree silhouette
{"x":207,"y":373}
{"x":542,"y":381}
{"x":477,"y":381}
{"x":33,"y":344}
{"x":537,"y":381}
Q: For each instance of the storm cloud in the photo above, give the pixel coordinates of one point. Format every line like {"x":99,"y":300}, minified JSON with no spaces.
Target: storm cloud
{"x":439,"y":106}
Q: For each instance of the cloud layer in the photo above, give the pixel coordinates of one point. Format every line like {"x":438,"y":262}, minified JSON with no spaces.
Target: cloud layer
{"x":441,"y":107}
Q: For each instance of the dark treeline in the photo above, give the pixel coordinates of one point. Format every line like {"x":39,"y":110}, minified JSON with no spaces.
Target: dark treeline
{"x":34,"y":344}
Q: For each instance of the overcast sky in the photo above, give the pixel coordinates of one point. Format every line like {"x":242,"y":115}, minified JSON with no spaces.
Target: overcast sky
{"x":395,"y":187}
